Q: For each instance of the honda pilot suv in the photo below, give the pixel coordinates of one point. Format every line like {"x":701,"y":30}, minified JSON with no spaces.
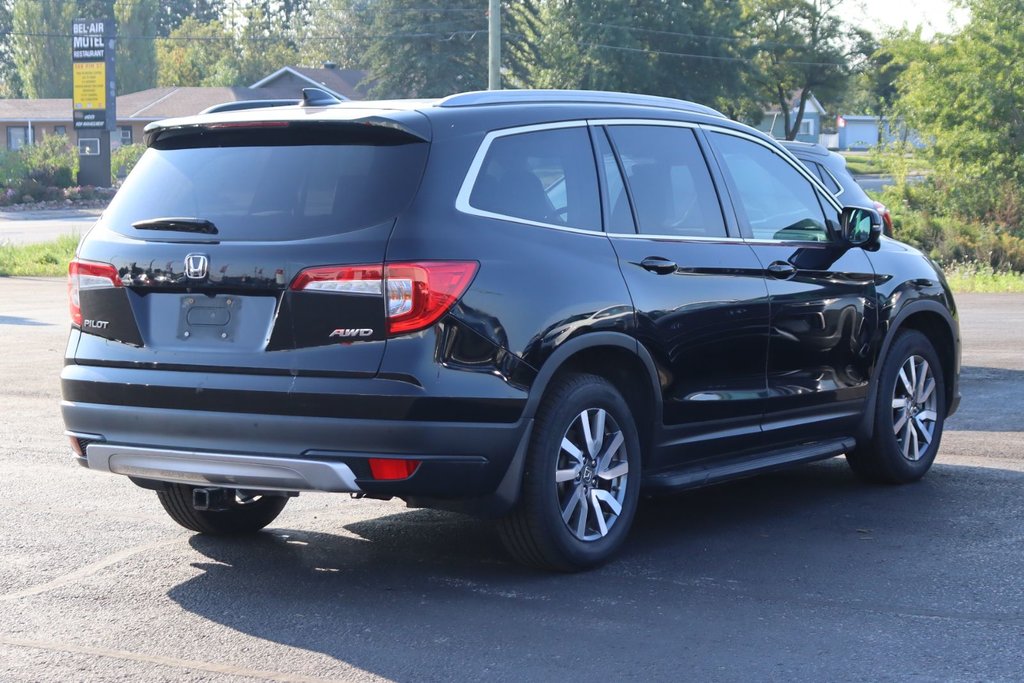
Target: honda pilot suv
{"x":533,"y":306}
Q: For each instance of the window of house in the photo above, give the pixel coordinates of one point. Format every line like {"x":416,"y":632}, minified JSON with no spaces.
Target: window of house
{"x":772,"y":198}
{"x":545,"y":176}
{"x":807,"y":126}
{"x":669,"y":181}
{"x":126,"y":135}
{"x":17,"y":137}
{"x":60,"y":130}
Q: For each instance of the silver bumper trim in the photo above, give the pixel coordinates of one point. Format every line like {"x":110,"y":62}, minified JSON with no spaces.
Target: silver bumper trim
{"x":260,"y":473}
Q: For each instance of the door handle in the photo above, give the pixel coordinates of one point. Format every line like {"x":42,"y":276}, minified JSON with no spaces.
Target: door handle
{"x":659,"y":265}
{"x":781,"y":270}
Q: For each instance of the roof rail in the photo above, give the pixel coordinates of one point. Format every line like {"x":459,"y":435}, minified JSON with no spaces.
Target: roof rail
{"x":248,"y":104}
{"x":316,"y":97}
{"x":494,"y":97}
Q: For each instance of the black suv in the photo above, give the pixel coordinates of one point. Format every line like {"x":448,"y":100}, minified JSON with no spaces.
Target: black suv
{"x":528,"y":305}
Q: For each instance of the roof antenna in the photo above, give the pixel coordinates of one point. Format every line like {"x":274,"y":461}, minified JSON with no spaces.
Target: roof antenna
{"x":315,"y":97}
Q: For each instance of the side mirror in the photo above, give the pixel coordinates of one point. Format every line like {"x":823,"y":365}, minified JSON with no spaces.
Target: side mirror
{"x":860,"y":227}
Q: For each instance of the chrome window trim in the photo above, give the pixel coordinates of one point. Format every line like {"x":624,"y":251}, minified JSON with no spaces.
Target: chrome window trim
{"x":642,"y":122}
{"x":676,"y":238}
{"x":462,"y":200}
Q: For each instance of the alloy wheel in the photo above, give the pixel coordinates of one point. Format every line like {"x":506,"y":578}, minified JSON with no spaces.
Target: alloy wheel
{"x":591,"y":474}
{"x":914,"y":408}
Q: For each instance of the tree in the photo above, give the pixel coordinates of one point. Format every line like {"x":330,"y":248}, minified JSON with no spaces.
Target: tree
{"x":801,"y":46}
{"x":212,"y":54}
{"x":690,"y":50}
{"x":432,"y":48}
{"x":136,"y":52}
{"x":41,"y":46}
{"x":190,"y":55}
{"x":963,"y":93}
{"x":10,"y":81}
{"x":333,"y":32}
{"x":173,"y":12}
{"x":262,"y":47}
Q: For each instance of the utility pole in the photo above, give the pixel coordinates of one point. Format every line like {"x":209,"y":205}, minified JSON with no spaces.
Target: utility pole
{"x":494,"y":45}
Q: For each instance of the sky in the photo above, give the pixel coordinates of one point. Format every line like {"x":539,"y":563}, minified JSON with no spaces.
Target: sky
{"x":932,"y":15}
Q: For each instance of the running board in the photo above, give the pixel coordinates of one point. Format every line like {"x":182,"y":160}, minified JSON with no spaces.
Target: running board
{"x":704,"y":473}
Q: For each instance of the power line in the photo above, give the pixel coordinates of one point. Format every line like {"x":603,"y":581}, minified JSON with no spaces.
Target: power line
{"x":703,"y":36}
{"x":700,"y":56}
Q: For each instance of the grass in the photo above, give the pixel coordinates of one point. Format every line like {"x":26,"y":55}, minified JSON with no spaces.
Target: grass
{"x":45,"y":259}
{"x":872,"y":163}
{"x":972,"y":278}
{"x":862,"y":163}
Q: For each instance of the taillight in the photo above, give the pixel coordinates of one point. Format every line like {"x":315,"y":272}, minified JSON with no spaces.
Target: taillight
{"x":886,"y":218}
{"x":83,"y":275}
{"x":416,"y":294}
{"x":420,"y":293}
{"x":392,"y":468}
{"x":347,"y":279}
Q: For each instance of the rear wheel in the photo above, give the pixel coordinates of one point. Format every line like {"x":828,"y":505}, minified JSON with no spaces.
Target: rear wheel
{"x":582,"y":478}
{"x":242,"y":514}
{"x":910,"y":412}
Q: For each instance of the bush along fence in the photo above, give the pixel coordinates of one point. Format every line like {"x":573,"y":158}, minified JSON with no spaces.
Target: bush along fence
{"x":47,"y":170}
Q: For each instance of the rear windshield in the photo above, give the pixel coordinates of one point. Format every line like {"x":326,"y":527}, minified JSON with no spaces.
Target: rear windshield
{"x":272,"y":184}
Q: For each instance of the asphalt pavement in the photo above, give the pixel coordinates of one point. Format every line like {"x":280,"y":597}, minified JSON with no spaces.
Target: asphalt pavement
{"x":805,"y":574}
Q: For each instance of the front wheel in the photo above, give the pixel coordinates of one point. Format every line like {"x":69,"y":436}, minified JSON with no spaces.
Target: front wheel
{"x":910,"y":411}
{"x":582,"y":478}
{"x":243,"y":514}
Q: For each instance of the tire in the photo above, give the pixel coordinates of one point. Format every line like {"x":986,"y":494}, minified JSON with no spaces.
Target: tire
{"x":569,"y":522}
{"x":910,"y":411}
{"x":242,"y":517}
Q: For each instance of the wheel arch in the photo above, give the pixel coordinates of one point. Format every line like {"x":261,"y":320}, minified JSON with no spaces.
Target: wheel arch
{"x":936,"y":322}
{"x":621,"y":360}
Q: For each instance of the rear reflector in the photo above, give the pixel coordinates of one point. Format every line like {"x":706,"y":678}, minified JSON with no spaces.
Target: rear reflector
{"x":83,"y":275}
{"x":391,"y":468}
{"x":417,"y":293}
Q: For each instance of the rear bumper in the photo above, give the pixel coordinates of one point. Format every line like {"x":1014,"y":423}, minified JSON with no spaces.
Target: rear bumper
{"x":465,"y":455}
{"x":221,"y":469}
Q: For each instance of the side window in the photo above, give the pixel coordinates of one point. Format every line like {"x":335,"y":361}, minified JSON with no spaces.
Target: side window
{"x":618,"y":214}
{"x":771,"y":197}
{"x":669,"y":181}
{"x":830,"y":182}
{"x":545,"y":176}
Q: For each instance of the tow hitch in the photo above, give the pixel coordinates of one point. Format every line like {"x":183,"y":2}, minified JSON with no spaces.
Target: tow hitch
{"x":212,"y":499}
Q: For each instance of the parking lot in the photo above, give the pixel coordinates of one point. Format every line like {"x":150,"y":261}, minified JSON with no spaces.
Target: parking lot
{"x":804,"y":574}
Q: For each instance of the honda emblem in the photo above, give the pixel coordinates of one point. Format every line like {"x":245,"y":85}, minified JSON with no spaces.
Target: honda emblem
{"x":196,"y":266}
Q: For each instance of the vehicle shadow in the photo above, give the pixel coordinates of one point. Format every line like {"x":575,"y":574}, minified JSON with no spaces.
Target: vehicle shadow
{"x":17,"y":320}
{"x":993,"y":400}
{"x":424,"y":595}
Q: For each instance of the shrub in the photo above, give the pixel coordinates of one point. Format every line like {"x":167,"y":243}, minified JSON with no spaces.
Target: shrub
{"x":123,"y":160}
{"x":51,"y":161}
{"x":12,"y":168}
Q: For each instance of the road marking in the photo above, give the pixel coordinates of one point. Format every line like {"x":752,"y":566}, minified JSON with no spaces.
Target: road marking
{"x":351,"y":673}
{"x":87,"y":570}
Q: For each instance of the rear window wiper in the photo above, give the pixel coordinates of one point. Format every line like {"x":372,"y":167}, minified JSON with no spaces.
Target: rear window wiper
{"x":177,"y":224}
